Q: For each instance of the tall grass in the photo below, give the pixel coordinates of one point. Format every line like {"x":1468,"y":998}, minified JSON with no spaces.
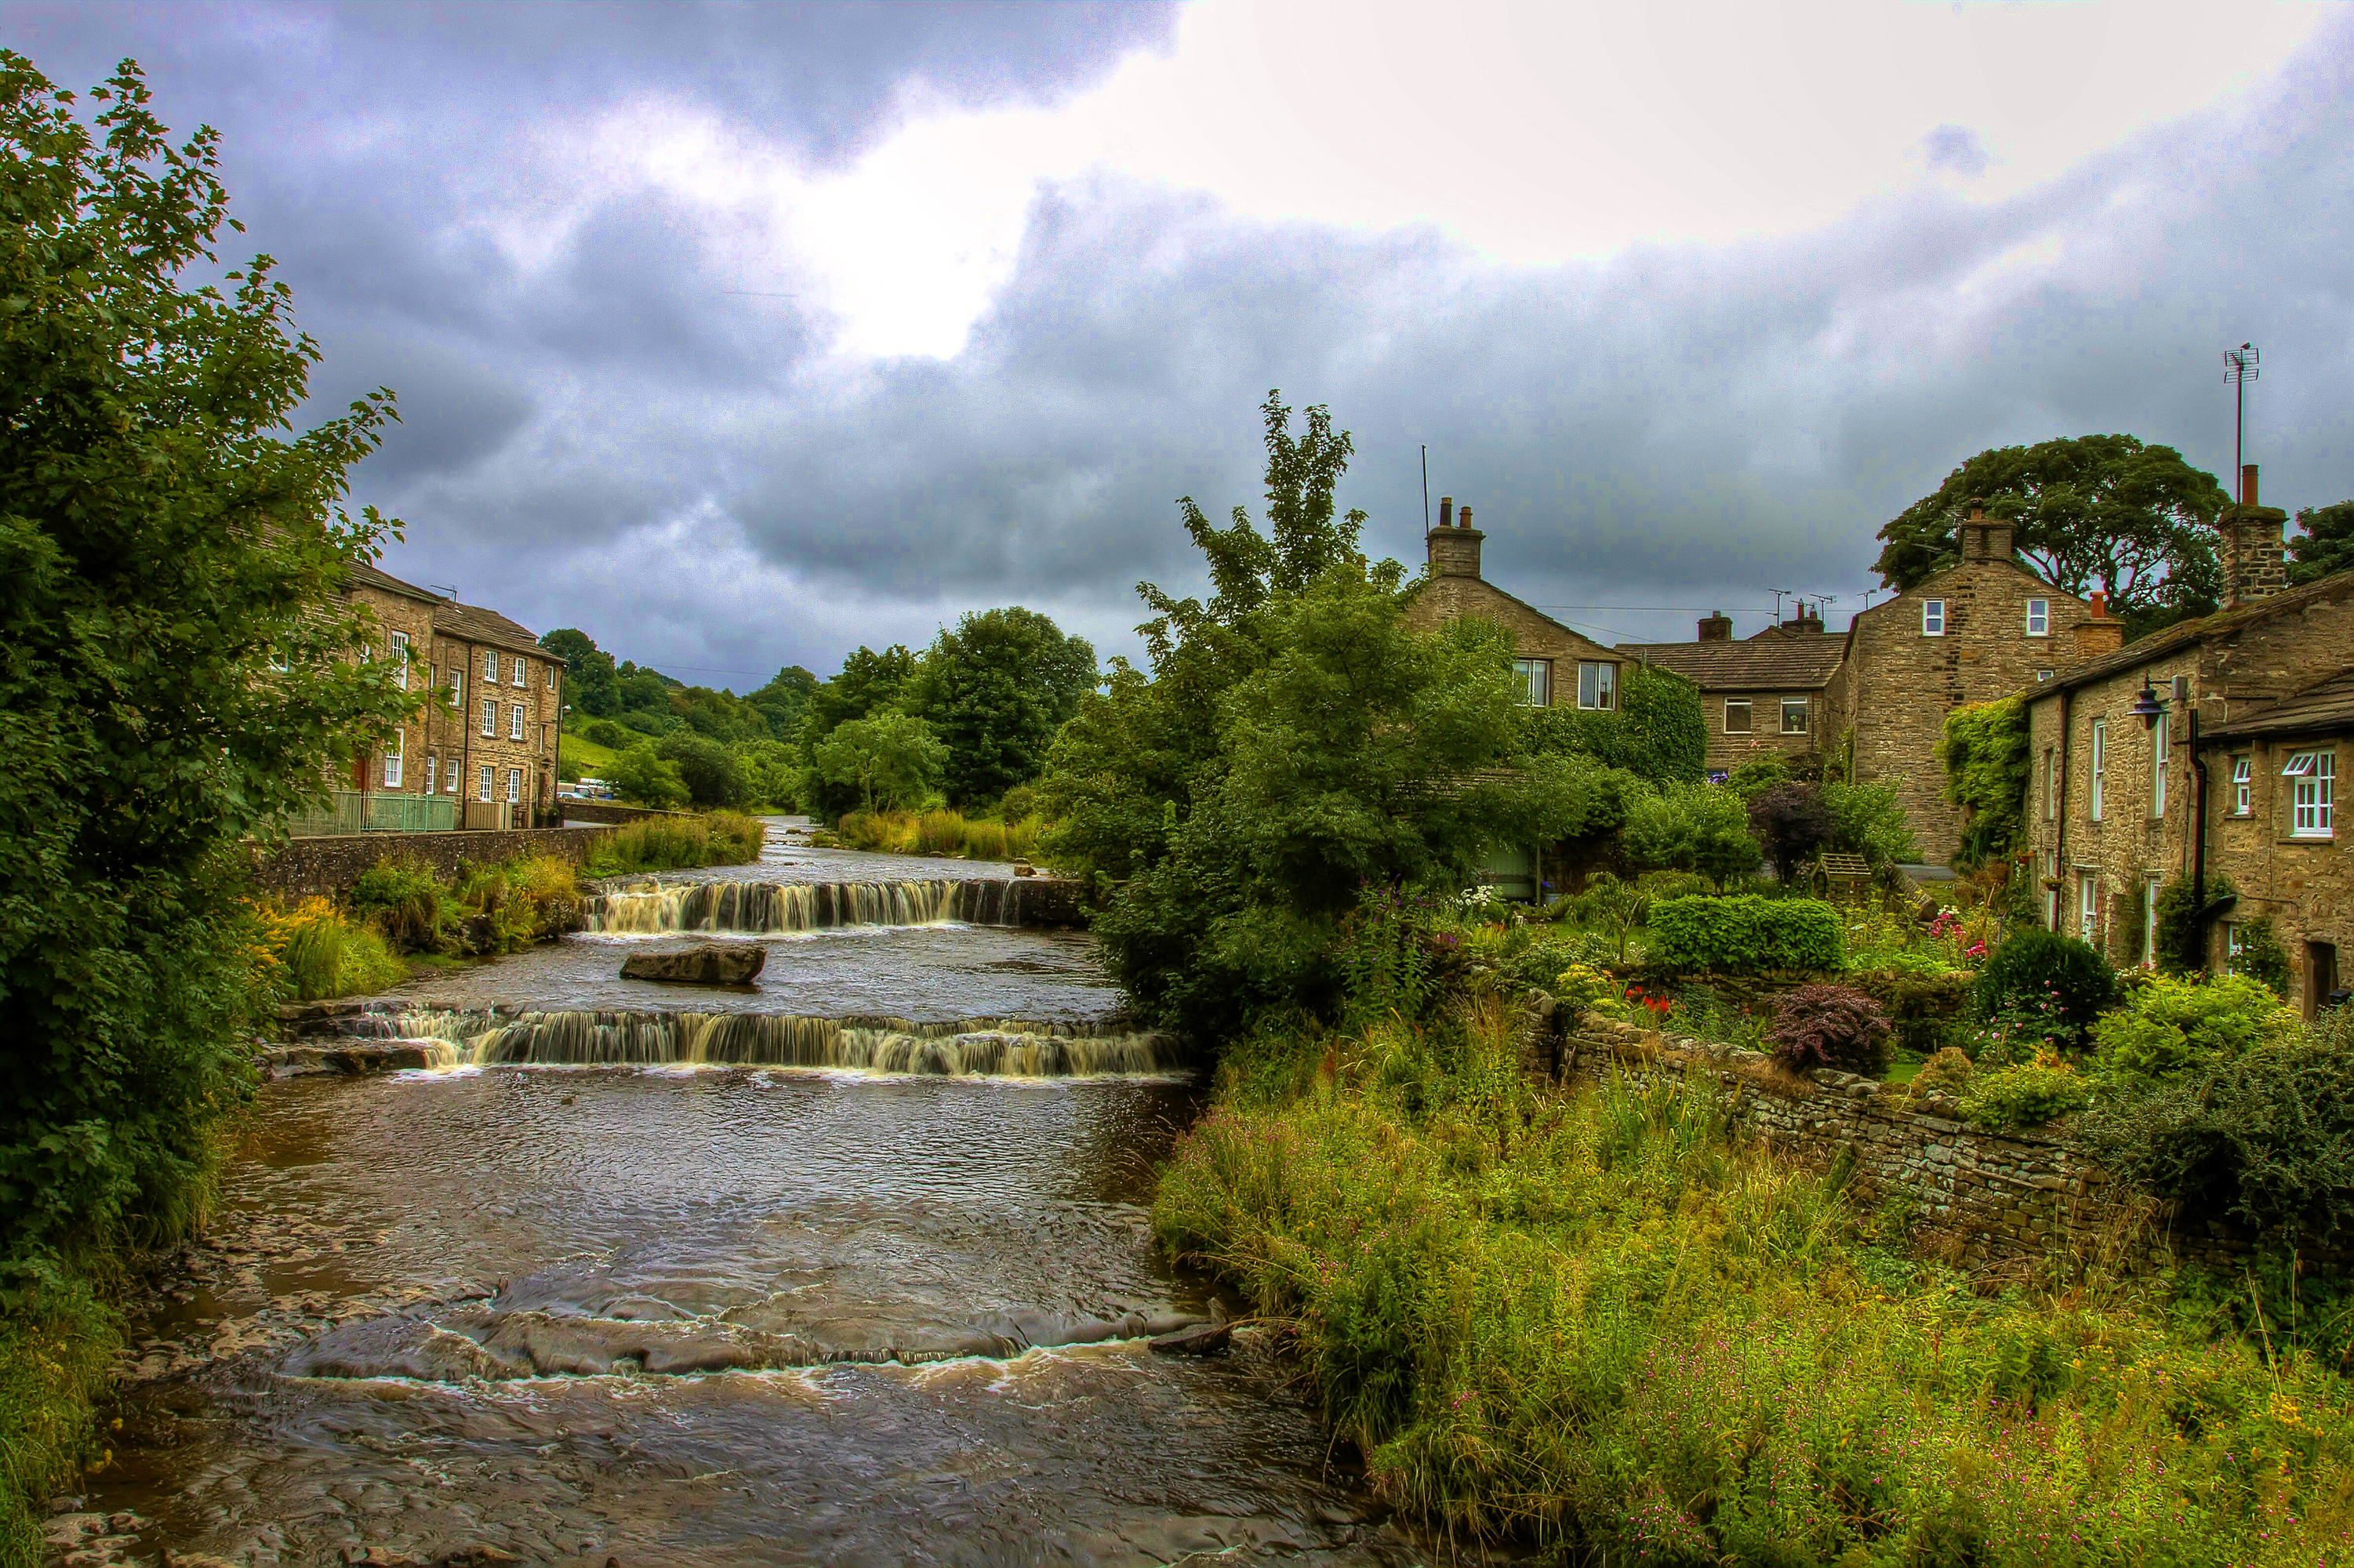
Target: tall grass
{"x":943,"y":833}
{"x":669,"y":843}
{"x":1592,"y":1321}
{"x":317,"y":951}
{"x":56,"y":1343}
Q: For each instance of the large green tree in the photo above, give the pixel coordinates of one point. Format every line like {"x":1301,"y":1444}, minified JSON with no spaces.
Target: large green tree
{"x":2325,"y":543}
{"x":995,"y":689}
{"x":590,"y":689}
{"x":888,"y":759}
{"x":1295,"y":743}
{"x":177,"y":667}
{"x":2105,"y":511}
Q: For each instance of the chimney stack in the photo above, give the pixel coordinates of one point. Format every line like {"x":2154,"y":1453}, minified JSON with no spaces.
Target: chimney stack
{"x":2102,"y":634}
{"x":1716,"y":627}
{"x":1984,"y":538}
{"x":2254,"y":557}
{"x":1453,"y":547}
{"x":1804,"y":619}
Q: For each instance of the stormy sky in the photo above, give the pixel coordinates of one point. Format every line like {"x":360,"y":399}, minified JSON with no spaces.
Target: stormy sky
{"x":738,"y":335}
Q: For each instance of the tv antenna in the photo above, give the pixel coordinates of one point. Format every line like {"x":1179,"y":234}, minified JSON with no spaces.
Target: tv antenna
{"x":1426,"y":487}
{"x":2239,"y":369}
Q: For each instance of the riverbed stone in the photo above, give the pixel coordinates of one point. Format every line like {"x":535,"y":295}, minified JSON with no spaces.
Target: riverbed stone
{"x":1201,"y":1340}
{"x":713,"y":963}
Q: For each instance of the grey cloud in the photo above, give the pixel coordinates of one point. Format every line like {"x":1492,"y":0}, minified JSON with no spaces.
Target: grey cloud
{"x":1955,"y":148}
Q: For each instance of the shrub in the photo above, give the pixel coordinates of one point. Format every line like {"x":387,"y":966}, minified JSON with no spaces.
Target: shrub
{"x":2028,"y":1095}
{"x":320,"y":952}
{"x":2176,"y":1025}
{"x":1745,"y":932}
{"x":1616,"y":908}
{"x":1868,"y":819}
{"x":1829,"y":1026}
{"x":1946,"y":1073}
{"x":2265,"y":1136}
{"x":408,"y":901}
{"x":1792,"y":823}
{"x":1694,"y":828}
{"x":1657,"y":732}
{"x":2261,"y":957}
{"x":1927,"y":1009}
{"x":711,"y":773}
{"x":638,"y":775}
{"x":604,"y":732}
{"x":1989,"y":766}
{"x":2182,"y":936}
{"x":2037,"y":966}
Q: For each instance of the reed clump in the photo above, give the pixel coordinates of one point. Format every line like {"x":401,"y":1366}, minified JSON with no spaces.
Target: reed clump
{"x":672,"y":843}
{"x":1592,"y":1322}
{"x":943,"y":831}
{"x":316,"y":951}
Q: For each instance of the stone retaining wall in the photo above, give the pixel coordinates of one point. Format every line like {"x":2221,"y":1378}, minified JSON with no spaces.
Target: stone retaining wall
{"x":329,"y":864}
{"x":1978,"y":1199}
{"x":609,"y":811}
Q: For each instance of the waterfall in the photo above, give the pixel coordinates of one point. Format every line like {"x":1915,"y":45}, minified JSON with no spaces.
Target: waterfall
{"x":1000,"y":1047}
{"x":647,"y":907}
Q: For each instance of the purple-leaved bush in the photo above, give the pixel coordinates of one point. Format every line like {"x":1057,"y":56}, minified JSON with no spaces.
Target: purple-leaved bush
{"x":1829,"y":1026}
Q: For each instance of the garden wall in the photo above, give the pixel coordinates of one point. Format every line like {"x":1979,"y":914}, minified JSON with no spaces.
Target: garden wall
{"x":1980,"y":1199}
{"x":330,"y":863}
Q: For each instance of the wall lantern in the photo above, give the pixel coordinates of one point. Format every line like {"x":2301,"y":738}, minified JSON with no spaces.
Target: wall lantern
{"x":2147,"y":707}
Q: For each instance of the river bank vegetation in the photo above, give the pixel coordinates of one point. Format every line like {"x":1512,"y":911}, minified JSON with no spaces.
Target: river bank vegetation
{"x":170,"y":541}
{"x":942,"y":832}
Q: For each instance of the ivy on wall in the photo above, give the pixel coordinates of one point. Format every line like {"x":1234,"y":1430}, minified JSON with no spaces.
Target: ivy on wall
{"x":1656,"y":733}
{"x":1988,"y":769}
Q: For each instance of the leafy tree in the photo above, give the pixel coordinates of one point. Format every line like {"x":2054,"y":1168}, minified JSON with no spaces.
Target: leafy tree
{"x":869,"y":680}
{"x":1792,"y":823}
{"x":785,"y":699}
{"x":645,"y":691}
{"x":891,"y":758}
{"x":711,"y":773}
{"x":639,"y":774}
{"x":177,"y":671}
{"x":1295,"y":744}
{"x":995,"y":689}
{"x":2325,"y":543}
{"x":2088,"y":511}
{"x":1868,"y":819}
{"x":590,"y":684}
{"x":771,"y":772}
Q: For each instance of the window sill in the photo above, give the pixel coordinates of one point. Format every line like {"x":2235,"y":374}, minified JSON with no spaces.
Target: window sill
{"x":2308,"y":838}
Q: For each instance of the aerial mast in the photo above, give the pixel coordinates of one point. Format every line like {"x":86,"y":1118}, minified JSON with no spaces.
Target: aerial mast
{"x":2239,"y":369}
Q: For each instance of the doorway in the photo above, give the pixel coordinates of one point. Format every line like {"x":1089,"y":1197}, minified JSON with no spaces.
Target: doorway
{"x":2320,"y":976}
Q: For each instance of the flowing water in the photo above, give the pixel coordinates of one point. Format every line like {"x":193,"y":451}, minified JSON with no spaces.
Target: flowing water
{"x":637,"y":1276}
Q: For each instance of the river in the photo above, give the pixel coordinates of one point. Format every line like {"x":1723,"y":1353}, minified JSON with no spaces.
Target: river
{"x":698,"y":1311}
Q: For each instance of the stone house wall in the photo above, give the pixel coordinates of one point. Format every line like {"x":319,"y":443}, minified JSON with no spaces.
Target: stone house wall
{"x":2304,"y":885}
{"x":1452,"y":587}
{"x":1900,"y":682}
{"x":457,"y":741}
{"x":386,"y":769}
{"x":1727,"y":751}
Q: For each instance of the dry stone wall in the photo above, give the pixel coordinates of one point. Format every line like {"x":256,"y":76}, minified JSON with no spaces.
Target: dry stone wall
{"x":330,"y":863}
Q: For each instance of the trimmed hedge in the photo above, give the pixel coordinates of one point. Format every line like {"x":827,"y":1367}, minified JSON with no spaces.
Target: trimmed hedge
{"x":1745,"y":932}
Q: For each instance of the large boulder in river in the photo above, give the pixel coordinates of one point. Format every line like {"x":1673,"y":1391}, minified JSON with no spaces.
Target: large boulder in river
{"x":713,"y":963}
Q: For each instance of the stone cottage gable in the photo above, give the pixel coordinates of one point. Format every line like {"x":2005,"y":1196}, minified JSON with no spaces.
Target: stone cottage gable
{"x":1550,"y":654}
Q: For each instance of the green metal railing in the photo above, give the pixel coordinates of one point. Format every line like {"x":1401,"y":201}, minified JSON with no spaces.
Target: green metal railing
{"x":350,"y":811}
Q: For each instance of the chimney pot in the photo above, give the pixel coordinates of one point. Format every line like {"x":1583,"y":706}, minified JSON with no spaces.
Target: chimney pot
{"x":2100,"y":604}
{"x":2248,"y":486}
{"x":1454,"y":546}
{"x":1463,"y":518}
{"x":1977,"y":508}
{"x":1446,"y":512}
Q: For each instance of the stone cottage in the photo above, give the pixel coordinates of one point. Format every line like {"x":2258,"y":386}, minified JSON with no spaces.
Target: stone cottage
{"x":2210,"y":746}
{"x":1977,"y":631}
{"x":1556,"y":666}
{"x":1762,"y":696}
{"x":487,"y":742}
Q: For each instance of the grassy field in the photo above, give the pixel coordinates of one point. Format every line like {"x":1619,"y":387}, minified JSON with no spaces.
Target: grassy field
{"x":1589,"y":1320}
{"x":584,"y":758}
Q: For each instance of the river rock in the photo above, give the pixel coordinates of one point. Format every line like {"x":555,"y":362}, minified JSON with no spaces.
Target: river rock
{"x":714,"y":963}
{"x":1201,"y":1340}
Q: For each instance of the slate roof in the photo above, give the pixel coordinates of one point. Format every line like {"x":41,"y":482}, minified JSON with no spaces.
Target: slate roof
{"x":2183,"y":633}
{"x":1791,"y":662}
{"x":470,"y":622}
{"x":2327,"y":706}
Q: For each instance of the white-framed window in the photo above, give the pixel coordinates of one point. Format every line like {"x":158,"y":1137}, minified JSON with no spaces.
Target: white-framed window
{"x":396,"y":644}
{"x":458,"y":687}
{"x":483,"y":783}
{"x":551,"y":675}
{"x":2159,"y":743}
{"x":521,"y":671}
{"x":1794,"y":716}
{"x":2051,"y":893}
{"x":544,"y":728}
{"x":1933,"y":618}
{"x":2039,"y":618}
{"x":2100,"y":765}
{"x":2149,"y":888}
{"x":432,"y":773}
{"x":1597,"y":686}
{"x":2244,"y":786}
{"x":392,"y":750}
{"x":490,"y":717}
{"x":491,"y":666}
{"x":2311,"y":798}
{"x":278,"y":661}
{"x":1736,"y":716}
{"x":2051,"y":783}
{"x":2088,"y":904}
{"x":515,"y":785}
{"x":1536,"y":679}
{"x":514,"y":721}
{"x":449,"y":779}
{"x":2235,"y":945}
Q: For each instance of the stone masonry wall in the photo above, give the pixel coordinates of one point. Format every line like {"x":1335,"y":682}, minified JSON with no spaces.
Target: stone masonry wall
{"x":330,"y":863}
